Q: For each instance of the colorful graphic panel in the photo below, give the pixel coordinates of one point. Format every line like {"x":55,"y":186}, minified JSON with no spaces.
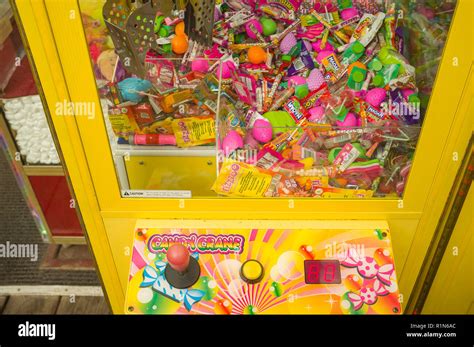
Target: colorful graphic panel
{"x":266,"y":271}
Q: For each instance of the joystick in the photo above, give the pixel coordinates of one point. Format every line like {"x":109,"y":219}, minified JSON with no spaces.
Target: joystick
{"x":182,"y":270}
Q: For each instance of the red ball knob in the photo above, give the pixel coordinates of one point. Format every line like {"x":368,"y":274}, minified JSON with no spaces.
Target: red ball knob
{"x":178,"y":257}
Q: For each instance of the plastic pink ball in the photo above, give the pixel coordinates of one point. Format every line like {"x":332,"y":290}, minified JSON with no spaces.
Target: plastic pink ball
{"x":315,"y":79}
{"x":407,"y":92}
{"x":349,"y":13}
{"x":296,"y":80}
{"x":231,"y":142}
{"x":228,"y":68}
{"x":200,"y":65}
{"x":250,"y":142}
{"x":376,"y":96}
{"x":262,"y":131}
{"x":316,"y":114}
{"x":317,"y":46}
{"x":322,"y":55}
{"x":350,"y":121}
{"x":256,"y":24}
{"x":288,"y":42}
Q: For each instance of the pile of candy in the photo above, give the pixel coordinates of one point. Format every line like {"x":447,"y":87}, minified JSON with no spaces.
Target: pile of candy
{"x":317,"y":98}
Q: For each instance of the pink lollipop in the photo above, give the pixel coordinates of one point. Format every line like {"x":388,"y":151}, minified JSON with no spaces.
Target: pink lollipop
{"x":376,"y":96}
{"x":315,"y":79}
{"x":349,"y":13}
{"x":228,"y":68}
{"x":257,"y":25}
{"x":296,"y":80}
{"x":200,"y":65}
{"x":288,"y":42}
{"x":327,"y":47}
{"x":231,"y":142}
{"x":316,"y":114}
{"x":262,"y":131}
{"x":349,"y":121}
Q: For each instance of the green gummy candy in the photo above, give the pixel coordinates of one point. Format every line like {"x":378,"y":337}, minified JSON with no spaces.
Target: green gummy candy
{"x":280,"y":120}
{"x":301,"y":91}
{"x":158,"y":22}
{"x":166,"y":48}
{"x":269,"y":26}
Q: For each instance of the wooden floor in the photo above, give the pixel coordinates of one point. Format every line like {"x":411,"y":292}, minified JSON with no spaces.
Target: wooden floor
{"x":42,"y":304}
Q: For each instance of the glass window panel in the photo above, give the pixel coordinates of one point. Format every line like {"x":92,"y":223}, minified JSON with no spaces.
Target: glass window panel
{"x":315,"y":99}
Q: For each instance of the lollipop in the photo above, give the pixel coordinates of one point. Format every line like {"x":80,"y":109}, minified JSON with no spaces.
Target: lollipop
{"x":288,"y":42}
{"x":179,"y":44}
{"x":376,"y":96}
{"x":231,"y":142}
{"x":315,"y":79}
{"x":262,"y":131}
{"x":257,"y":55}
{"x":269,"y":26}
{"x":349,"y":13}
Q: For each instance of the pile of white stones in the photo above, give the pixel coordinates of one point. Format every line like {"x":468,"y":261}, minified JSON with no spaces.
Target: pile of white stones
{"x":27,"y":118}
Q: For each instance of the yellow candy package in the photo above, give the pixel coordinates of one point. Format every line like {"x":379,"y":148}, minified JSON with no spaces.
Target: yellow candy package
{"x":194,"y":131}
{"x":160,"y":127}
{"x":243,"y":180}
{"x":123,"y":122}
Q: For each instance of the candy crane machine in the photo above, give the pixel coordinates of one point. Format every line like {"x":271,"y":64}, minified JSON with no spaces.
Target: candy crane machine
{"x":253,"y":157}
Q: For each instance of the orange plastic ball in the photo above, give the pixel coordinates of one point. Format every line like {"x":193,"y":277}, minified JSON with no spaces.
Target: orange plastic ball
{"x":257,"y":55}
{"x":179,"y":28}
{"x":179,"y":44}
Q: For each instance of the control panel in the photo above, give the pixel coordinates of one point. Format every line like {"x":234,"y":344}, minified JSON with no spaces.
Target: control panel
{"x":262,"y":271}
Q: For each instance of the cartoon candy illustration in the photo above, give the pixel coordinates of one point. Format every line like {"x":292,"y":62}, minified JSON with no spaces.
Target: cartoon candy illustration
{"x":367,"y":267}
{"x":376,"y":279}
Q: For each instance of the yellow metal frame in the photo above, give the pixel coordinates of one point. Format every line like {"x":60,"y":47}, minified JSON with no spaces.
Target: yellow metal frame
{"x":453,"y":288}
{"x":56,"y":36}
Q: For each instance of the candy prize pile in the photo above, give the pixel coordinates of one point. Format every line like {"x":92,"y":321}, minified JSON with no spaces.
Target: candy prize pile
{"x":317,"y":98}
{"x":321,"y":94}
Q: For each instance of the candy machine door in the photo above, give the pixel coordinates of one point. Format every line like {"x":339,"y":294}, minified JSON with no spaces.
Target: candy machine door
{"x":317,"y":110}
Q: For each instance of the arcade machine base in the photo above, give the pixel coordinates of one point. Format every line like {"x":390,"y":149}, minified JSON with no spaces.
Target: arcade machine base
{"x":317,"y":268}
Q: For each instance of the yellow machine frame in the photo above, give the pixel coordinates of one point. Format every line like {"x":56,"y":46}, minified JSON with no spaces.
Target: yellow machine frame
{"x":59,"y":49}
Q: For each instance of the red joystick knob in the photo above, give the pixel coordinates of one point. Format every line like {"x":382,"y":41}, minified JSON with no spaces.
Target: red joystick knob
{"x":178,"y":257}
